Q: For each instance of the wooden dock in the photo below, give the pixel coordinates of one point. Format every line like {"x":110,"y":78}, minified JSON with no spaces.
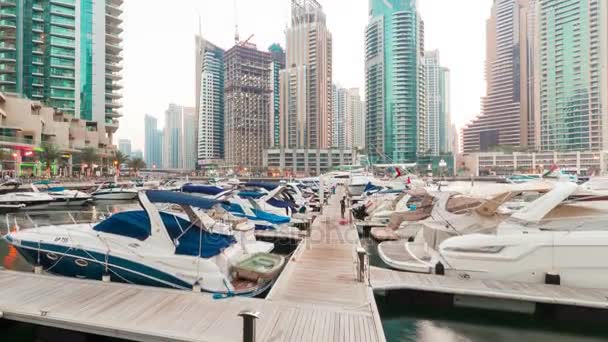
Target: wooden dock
{"x":317,"y":298}
{"x":492,"y":294}
{"x":322,"y":274}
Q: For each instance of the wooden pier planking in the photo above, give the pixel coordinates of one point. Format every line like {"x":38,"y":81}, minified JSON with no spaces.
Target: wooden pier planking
{"x":316,"y":298}
{"x":387,"y":280}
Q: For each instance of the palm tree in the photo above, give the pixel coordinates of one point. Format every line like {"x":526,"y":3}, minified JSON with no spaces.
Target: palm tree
{"x":137,"y":164}
{"x":89,"y":156}
{"x":120,"y":159}
{"x":49,"y":155}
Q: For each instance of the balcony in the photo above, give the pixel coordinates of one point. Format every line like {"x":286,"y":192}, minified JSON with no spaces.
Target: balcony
{"x":113,"y":104}
{"x":9,"y":140}
{"x":112,"y":114}
{"x":8,"y":3}
{"x":113,"y":76}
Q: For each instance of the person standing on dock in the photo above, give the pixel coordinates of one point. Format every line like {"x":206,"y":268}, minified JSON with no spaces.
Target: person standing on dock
{"x":343,"y":206}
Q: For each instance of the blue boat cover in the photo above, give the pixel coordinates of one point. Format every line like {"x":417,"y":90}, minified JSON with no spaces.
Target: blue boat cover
{"x":172,"y":197}
{"x":261,"y":215}
{"x":281,"y":204}
{"x":56,"y":189}
{"x":269,"y":217}
{"x":267,"y":186}
{"x":136,"y":225}
{"x":203,"y":189}
{"x":250,"y":194}
{"x":370,"y":187}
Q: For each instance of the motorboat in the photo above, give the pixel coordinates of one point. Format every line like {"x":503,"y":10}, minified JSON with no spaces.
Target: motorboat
{"x":157,"y":247}
{"x":14,"y":198}
{"x":357,"y":185}
{"x":547,"y":241}
{"x":113,"y":191}
{"x":62,"y":196}
{"x":172,"y":185}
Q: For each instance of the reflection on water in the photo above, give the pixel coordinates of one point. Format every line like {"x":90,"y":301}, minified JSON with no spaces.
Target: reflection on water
{"x":400,"y":324}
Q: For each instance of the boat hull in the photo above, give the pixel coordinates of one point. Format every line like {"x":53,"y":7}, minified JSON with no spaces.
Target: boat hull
{"x":87,"y":264}
{"x":115,"y":196}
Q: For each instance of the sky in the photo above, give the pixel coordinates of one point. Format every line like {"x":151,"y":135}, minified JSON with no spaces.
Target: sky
{"x":158,"y":43}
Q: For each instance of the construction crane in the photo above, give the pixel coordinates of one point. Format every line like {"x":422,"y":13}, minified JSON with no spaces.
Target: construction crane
{"x":246,"y":41}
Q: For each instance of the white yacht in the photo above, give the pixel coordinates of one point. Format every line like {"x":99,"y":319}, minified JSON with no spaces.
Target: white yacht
{"x":14,"y":198}
{"x":527,"y":247}
{"x":112,"y":191}
{"x":64,"y":197}
{"x":157,"y":248}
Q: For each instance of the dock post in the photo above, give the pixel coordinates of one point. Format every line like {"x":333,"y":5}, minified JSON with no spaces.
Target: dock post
{"x":249,"y":318}
{"x":363,"y":262}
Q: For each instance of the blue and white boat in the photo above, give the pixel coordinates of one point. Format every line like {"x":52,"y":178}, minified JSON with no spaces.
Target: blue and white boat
{"x":157,"y":248}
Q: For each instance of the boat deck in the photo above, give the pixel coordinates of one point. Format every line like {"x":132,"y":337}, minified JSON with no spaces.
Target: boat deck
{"x":384,"y":234}
{"x":389,"y":280}
{"x":316,"y":298}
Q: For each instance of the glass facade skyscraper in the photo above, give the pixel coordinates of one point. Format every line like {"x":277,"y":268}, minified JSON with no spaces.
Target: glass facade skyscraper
{"x":278,"y":64}
{"x":154,"y":143}
{"x":438,"y":120}
{"x":395,"y":81}
{"x":64,"y":53}
{"x":573,"y":89}
{"x":210,"y":102}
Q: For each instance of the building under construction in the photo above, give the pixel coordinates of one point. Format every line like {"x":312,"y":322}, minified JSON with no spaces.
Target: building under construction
{"x":248,"y":105}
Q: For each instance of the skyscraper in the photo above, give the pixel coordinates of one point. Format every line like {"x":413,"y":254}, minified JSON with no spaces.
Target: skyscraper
{"x":339,"y":128}
{"x":210,"y":102}
{"x":179,"y":139}
{"x":154,"y":143}
{"x":438,"y":120}
{"x":306,"y":83}
{"x":189,"y":145}
{"x":572,"y":60}
{"x":124,"y":146}
{"x":66,"y":54}
{"x":247,"y":105}
{"x":348,"y":120}
{"x":507,"y":60}
{"x":357,"y":118}
{"x":278,"y":64}
{"x":394,"y":81}
{"x":173,"y":142}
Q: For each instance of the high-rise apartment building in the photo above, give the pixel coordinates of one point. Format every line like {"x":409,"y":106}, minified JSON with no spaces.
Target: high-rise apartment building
{"x":209,"y":102}
{"x":306,"y":83}
{"x":180,"y":138}
{"x":572,"y":73}
{"x":66,"y":54}
{"x":357,"y":117}
{"x":394,"y":81}
{"x":124,"y":146}
{"x":247,"y":105}
{"x":505,"y":108}
{"x":154,"y":143}
{"x":189,"y":143}
{"x":348,"y":118}
{"x":339,"y":124}
{"x":278,"y":64}
{"x":438,"y":120}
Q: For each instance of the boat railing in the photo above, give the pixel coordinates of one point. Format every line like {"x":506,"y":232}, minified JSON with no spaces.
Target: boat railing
{"x":23,"y":220}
